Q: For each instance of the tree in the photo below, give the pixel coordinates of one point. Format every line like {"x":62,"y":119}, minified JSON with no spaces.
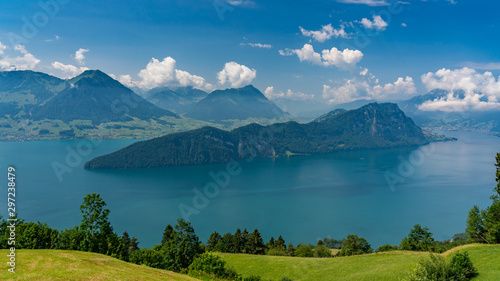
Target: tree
{"x":280,"y":243}
{"x":168,"y":234}
{"x":321,"y":251}
{"x":255,"y":243}
{"x":134,"y":245}
{"x":244,"y":236}
{"x":475,"y":225}
{"x":354,"y":245}
{"x":270,"y":244}
{"x":238,"y":244}
{"x":213,"y":240}
{"x":304,"y":250}
{"x":95,"y":224}
{"x":419,"y":239}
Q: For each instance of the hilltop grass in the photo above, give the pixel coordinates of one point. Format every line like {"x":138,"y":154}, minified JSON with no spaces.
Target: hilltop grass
{"x":393,"y":265}
{"x":74,"y":265}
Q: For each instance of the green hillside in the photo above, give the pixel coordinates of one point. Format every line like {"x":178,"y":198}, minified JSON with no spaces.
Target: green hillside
{"x":73,"y":265}
{"x":382,"y":266}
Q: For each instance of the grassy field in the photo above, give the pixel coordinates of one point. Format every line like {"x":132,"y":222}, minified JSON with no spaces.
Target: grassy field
{"x":382,"y":266}
{"x":73,"y":265}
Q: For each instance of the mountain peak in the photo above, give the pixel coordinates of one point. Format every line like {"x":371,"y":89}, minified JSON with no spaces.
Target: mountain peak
{"x":95,"y":78}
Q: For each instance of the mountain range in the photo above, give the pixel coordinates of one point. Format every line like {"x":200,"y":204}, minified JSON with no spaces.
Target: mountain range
{"x":371,"y":126}
{"x":179,"y":100}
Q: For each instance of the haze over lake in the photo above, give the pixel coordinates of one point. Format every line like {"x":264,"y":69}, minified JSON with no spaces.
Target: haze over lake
{"x":303,"y":198}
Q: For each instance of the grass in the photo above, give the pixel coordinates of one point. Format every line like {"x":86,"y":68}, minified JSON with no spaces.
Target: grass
{"x":73,"y":265}
{"x":393,"y":265}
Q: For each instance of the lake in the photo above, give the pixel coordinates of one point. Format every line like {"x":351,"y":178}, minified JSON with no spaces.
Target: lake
{"x":378,"y":194}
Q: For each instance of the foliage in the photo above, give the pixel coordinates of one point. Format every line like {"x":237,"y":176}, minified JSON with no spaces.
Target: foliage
{"x":304,"y":250}
{"x":321,"y":251}
{"x":483,"y":226}
{"x":331,"y":243}
{"x":386,"y":248}
{"x":436,"y":269}
{"x":419,"y":239}
{"x":214,"y":265}
{"x":354,"y":245}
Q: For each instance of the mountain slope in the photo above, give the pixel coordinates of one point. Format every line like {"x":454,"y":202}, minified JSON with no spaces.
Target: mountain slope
{"x":95,"y":96}
{"x":179,"y":100}
{"x":372,"y":126}
{"x":74,"y":265}
{"x":230,"y":104}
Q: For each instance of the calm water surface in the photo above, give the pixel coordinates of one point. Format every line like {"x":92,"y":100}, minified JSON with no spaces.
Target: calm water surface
{"x":302,"y":198}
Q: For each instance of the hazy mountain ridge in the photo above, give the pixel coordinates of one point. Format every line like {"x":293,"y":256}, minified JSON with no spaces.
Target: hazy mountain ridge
{"x":372,"y":126}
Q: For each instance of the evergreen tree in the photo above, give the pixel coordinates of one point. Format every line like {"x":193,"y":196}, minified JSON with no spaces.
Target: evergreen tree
{"x":245,"y":236}
{"x":134,"y":245}
{"x":419,"y":239}
{"x":227,"y":243}
{"x":213,"y":240}
{"x":238,"y":242}
{"x":270,"y":244}
{"x":280,"y":243}
{"x":168,"y":234}
{"x":255,"y":243}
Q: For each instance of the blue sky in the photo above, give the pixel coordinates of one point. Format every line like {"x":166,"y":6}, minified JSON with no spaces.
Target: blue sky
{"x":241,"y":44}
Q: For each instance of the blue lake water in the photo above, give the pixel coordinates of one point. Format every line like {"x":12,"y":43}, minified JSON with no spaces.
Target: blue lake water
{"x":378,"y":194}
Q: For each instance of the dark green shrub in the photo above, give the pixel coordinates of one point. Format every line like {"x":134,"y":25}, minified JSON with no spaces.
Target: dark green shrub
{"x":304,"y":250}
{"x":436,"y":269}
{"x":461,"y":267}
{"x":214,"y":265}
{"x":354,"y":245}
{"x":321,"y":251}
{"x":386,"y":248}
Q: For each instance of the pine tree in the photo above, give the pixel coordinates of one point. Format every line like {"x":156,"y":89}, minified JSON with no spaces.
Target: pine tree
{"x":255,"y":243}
{"x":213,"y":240}
{"x":168,"y":234}
{"x":280,"y":243}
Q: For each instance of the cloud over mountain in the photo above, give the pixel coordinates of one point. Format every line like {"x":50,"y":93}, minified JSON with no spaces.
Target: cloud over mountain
{"x":237,"y":75}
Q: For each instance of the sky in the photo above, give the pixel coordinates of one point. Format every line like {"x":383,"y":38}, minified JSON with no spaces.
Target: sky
{"x":318,"y":51}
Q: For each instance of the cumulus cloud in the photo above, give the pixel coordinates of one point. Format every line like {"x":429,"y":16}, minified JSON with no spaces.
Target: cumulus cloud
{"x":326,"y":32}
{"x":378,"y":23}
{"x":346,"y":59}
{"x":368,"y":87}
{"x":366,"y":2}
{"x":272,"y":95}
{"x":236,"y":75}
{"x":164,"y":73}
{"x":481,"y":90}
{"x":404,"y":24}
{"x":24,"y":61}
{"x":68,"y":70}
{"x":258,"y":45}
{"x":80,"y":56}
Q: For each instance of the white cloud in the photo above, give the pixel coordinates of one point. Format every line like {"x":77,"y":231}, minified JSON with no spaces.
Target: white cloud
{"x":345,"y":59}
{"x":236,"y":74}
{"x":452,"y":1}
{"x":25,"y":62}
{"x":68,"y":70}
{"x":241,"y":3}
{"x":378,"y":23}
{"x":481,"y":90}
{"x":404,"y":24}
{"x":326,"y":32}
{"x":403,"y":86}
{"x":367,"y":86}
{"x":366,"y":2}
{"x":258,"y":45}
{"x":164,"y":73}
{"x":270,"y":94}
{"x":80,"y":57}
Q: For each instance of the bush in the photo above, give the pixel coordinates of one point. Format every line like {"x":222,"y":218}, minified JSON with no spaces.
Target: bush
{"x":386,"y":248}
{"x":277,"y":252}
{"x":354,"y":245}
{"x":252,"y":278}
{"x":304,"y":250}
{"x":436,"y":269}
{"x":321,"y":251}
{"x":461,"y":267}
{"x":212,"y":264}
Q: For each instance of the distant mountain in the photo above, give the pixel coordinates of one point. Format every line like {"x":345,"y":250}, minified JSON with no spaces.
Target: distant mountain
{"x":95,"y":96}
{"x":178,"y":100}
{"x":220,"y":106}
{"x":479,"y":121}
{"x":372,"y":126}
{"x":353,"y":104}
